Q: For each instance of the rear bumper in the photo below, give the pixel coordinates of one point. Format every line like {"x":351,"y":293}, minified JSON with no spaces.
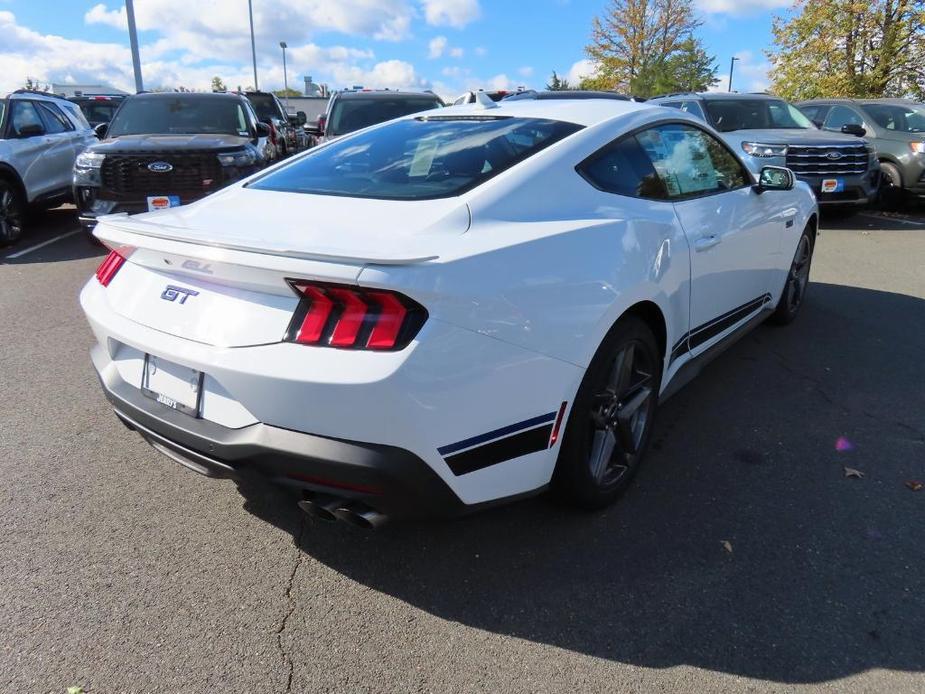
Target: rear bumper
{"x":388,"y":479}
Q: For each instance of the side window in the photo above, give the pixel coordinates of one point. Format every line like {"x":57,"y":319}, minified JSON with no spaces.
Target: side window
{"x":693,"y":108}
{"x":691,"y":162}
{"x":815,"y":112}
{"x":25,"y":120}
{"x":624,"y":168}
{"x":54,"y":120}
{"x":672,"y":104}
{"x":842,"y":115}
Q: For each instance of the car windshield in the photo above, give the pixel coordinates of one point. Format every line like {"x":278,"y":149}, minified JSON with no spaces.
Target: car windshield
{"x":754,"y":114}
{"x":352,"y":114}
{"x":187,"y":114}
{"x":418,"y":158}
{"x":264,"y":106}
{"x":903,"y":118}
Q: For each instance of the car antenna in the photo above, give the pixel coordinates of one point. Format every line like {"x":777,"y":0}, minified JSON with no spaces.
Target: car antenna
{"x":484,"y":101}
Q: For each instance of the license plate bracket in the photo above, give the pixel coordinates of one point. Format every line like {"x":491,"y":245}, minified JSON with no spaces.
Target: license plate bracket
{"x":175,"y":386}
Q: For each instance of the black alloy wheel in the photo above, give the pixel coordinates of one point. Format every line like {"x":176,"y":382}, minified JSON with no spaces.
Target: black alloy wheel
{"x":11,"y":213}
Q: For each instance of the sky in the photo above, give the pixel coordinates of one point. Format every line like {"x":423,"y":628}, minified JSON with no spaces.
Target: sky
{"x":448,"y":46}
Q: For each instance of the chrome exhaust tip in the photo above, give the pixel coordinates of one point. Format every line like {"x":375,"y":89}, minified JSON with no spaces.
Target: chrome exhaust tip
{"x":321,"y":506}
{"x":361,"y":516}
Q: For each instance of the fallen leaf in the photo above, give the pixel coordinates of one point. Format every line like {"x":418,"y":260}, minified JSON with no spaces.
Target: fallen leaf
{"x":727,"y":545}
{"x":75,"y":690}
{"x":851,"y":472}
{"x":915,"y":485}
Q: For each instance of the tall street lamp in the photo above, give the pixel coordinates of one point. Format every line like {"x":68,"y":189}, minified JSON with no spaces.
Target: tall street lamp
{"x":282,"y":44}
{"x":133,"y":41}
{"x":732,"y":64}
{"x":250,"y":12}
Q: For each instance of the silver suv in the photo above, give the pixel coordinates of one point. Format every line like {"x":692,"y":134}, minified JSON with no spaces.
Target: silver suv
{"x":40,"y":137}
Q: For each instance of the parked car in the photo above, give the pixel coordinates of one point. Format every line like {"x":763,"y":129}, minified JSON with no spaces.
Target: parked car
{"x":567,"y":94}
{"x":283,"y":129}
{"x":40,"y":137}
{"x":841,"y":168}
{"x":349,"y":111}
{"x":98,"y":109}
{"x":167,"y":149}
{"x":894,"y":127}
{"x":484,"y":303}
{"x":471,"y":97}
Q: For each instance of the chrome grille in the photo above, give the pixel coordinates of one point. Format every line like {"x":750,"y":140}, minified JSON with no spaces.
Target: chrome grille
{"x":827,"y":160}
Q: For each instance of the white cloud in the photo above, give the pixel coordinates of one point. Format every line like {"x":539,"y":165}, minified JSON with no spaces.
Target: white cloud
{"x":165,"y":63}
{"x":481,"y":51}
{"x":740,"y":7}
{"x":580,"y":70}
{"x":437,"y":47}
{"x":525,"y":71}
{"x":457,"y":52}
{"x":454,"y":13}
{"x":750,"y":74}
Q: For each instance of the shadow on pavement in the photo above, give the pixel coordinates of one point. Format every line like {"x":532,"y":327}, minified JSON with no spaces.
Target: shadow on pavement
{"x":46,"y":226}
{"x":825,"y":576}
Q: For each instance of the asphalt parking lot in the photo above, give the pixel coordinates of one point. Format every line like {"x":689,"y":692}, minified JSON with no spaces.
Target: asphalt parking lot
{"x":123,"y":572}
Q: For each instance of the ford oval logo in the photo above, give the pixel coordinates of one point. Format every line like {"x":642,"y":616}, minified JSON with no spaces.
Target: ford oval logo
{"x":834,"y":155}
{"x":160,"y":167}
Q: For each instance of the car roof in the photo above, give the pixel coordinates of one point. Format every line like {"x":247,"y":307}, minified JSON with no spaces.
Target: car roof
{"x":898,"y":102}
{"x":384,"y":95}
{"x":150,"y":96}
{"x":548,"y":95}
{"x":716,"y":96}
{"x":580,"y":111}
{"x":32,"y":94}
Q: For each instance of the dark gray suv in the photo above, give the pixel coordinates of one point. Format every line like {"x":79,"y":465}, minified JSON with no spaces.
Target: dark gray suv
{"x":894,"y":127}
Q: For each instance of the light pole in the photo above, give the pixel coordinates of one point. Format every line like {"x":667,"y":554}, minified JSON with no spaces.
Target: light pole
{"x":732,"y":64}
{"x":133,"y":41}
{"x":250,"y":12}
{"x":282,"y":44}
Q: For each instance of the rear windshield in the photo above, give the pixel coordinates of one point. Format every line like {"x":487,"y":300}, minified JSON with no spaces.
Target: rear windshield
{"x":99,"y":111}
{"x":180,"y":115}
{"x":264,"y":106}
{"x":754,"y":114}
{"x":354,"y":114}
{"x":906,"y":119}
{"x":418,"y":158}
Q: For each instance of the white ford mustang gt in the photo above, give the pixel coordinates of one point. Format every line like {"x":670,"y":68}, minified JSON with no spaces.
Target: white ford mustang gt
{"x":449,"y":309}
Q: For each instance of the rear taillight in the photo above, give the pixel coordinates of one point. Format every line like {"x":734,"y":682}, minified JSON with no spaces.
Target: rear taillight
{"x":334,"y":315}
{"x":109,"y":267}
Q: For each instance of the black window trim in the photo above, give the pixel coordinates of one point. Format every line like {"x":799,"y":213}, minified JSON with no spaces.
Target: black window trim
{"x":56,"y":111}
{"x":749,"y":177}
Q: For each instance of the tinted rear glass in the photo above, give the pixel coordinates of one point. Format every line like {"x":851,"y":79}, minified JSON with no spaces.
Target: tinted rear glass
{"x":99,"y":111}
{"x":418,"y":159}
{"x":264,"y":106}
{"x":904,"y":118}
{"x":754,"y":114}
{"x":352,"y":114}
{"x":180,"y":115}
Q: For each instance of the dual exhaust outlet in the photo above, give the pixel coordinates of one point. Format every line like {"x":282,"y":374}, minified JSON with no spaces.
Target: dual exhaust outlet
{"x":330,"y":509}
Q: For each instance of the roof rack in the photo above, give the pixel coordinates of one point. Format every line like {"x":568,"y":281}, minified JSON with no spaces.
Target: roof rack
{"x":665,"y":96}
{"x":50,"y":95}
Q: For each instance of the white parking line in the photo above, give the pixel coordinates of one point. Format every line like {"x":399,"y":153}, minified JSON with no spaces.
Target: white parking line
{"x":25,"y":251}
{"x":883,"y":218}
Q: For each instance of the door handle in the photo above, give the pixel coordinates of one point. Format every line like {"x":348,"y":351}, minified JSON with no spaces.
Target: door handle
{"x":705,"y":242}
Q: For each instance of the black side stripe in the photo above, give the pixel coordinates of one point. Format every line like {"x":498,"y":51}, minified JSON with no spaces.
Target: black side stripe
{"x":712,"y":328}
{"x":529,"y":441}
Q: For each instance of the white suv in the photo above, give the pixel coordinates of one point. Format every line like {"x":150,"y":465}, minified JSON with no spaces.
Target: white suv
{"x":40,"y":137}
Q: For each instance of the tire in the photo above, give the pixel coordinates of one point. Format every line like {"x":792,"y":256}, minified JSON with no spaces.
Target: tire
{"x":791,"y":298}
{"x":891,"y":185}
{"x":12,"y":213}
{"x":605,"y":440}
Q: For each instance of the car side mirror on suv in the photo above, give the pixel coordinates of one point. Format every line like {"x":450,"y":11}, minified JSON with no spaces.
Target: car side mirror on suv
{"x":101,"y":130}
{"x":774,"y":178}
{"x":853,"y":129}
{"x":263,"y":130}
{"x":300,"y":118}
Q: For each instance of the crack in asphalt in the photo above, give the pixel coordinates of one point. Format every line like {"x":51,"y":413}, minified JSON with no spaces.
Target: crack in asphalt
{"x":300,"y":555}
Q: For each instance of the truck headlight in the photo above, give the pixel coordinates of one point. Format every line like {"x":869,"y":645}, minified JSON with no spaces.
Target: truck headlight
{"x":87,"y":168}
{"x":243,"y":158}
{"x":761,"y":149}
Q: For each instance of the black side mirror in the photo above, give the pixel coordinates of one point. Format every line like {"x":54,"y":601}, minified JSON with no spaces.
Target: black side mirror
{"x":101,"y":130}
{"x":30,"y":130}
{"x":775,"y":178}
{"x":263,"y":130}
{"x":853,"y":129}
{"x":301,"y":117}
{"x":818,"y":124}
